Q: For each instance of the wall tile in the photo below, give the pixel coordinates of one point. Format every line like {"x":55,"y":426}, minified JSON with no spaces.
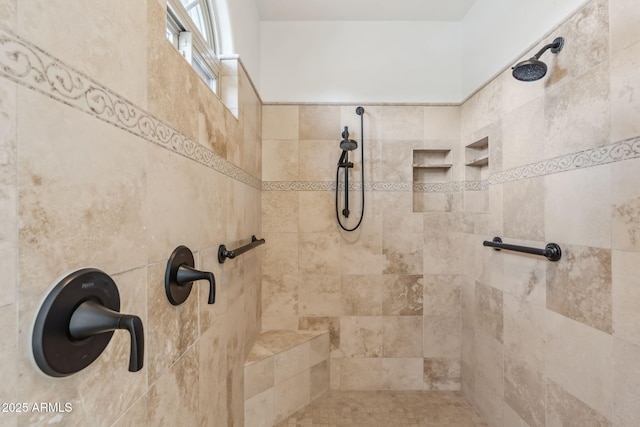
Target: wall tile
{"x":291,"y":395}
{"x":319,"y":379}
{"x":624,"y":20}
{"x":9,"y":361}
{"x":626,"y":380}
{"x":626,"y":205}
{"x":402,"y":374}
{"x":525,"y":277}
{"x":586,"y":43}
{"x":442,"y":123}
{"x":318,"y":254}
{"x":524,"y":391}
{"x":511,"y":417}
{"x":258,"y":410}
{"x":317,"y":211}
{"x":524,"y":208}
{"x":331,"y":324}
{"x":402,"y":336}
{"x":404,"y":253}
{"x":441,"y":374}
{"x":291,"y":362}
{"x":362,"y":295}
{"x":442,"y":295}
{"x":578,"y":207}
{"x":590,"y":351}
{"x":280,"y":122}
{"x":402,"y":295}
{"x":524,"y":333}
{"x":8,"y":14}
{"x":580,"y":287}
{"x":281,"y":254}
{"x":625,"y":295}
{"x":279,"y":212}
{"x":279,"y":160}
{"x":361,"y":336}
{"x":398,"y":215}
{"x":8,"y":181}
{"x":280,"y":295}
{"x":319,"y":295}
{"x":372,"y":121}
{"x":625,"y":86}
{"x":212,"y":376}
{"x":136,"y":416}
{"x":319,"y":349}
{"x":443,"y":248}
{"x":403,"y":123}
{"x":361,"y":374}
{"x":442,"y":336}
{"x":87,"y":44}
{"x":577,"y":113}
{"x":317,"y":160}
{"x":522,"y":130}
{"x":211,"y":122}
{"x":489,"y":310}
{"x":258,"y":377}
{"x":489,"y":369}
{"x":319,"y":122}
{"x":564,"y":409}
{"x":173,"y":399}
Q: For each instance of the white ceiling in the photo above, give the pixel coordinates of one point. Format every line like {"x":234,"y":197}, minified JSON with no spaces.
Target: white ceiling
{"x":363,"y":10}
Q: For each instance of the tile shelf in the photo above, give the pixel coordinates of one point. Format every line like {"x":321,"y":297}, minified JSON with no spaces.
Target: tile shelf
{"x":431,"y":166}
{"x":480,"y":161}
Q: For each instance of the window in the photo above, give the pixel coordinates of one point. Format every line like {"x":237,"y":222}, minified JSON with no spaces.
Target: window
{"x":191,"y":29}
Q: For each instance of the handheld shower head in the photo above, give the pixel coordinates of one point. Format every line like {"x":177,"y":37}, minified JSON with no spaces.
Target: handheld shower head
{"x":533,"y":69}
{"x":346,"y":143}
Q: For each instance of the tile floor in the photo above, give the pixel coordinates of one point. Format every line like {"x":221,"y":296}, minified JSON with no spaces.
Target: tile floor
{"x":387,"y":409}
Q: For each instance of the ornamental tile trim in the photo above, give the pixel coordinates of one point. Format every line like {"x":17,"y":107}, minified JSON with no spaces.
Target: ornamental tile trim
{"x":35,"y":69}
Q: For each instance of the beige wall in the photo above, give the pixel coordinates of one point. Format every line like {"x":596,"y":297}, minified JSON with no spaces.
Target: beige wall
{"x":114,"y":152}
{"x":388,"y":292}
{"x":556,"y":343}
{"x":541,"y":343}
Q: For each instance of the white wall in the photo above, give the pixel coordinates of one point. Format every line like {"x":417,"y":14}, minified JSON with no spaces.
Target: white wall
{"x":385,"y":61}
{"x":240,"y":22}
{"x":497,"y":32}
{"x":363,"y":61}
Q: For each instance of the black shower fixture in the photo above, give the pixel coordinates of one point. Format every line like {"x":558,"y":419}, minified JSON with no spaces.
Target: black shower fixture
{"x":348,"y":145}
{"x":533,"y":69}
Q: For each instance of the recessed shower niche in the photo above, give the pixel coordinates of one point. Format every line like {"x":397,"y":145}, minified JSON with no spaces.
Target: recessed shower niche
{"x":476,"y":161}
{"x":432,"y":176}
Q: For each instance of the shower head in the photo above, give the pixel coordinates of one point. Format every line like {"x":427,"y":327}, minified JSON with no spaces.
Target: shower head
{"x":533,"y":69}
{"x":347,"y":144}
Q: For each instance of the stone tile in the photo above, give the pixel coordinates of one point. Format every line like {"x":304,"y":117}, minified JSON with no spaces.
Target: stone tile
{"x":489,"y":310}
{"x":361,"y":336}
{"x":319,"y":295}
{"x":213,"y":368}
{"x":580,"y":287}
{"x":523,"y":128}
{"x":8,"y":14}
{"x":564,"y":409}
{"x":524,"y":207}
{"x":626,"y":380}
{"x":280,"y":295}
{"x":319,"y":379}
{"x":397,"y":212}
{"x":280,"y":122}
{"x":362,"y":295}
{"x":624,"y":19}
{"x":279,"y":212}
{"x":8,"y":180}
{"x":258,"y":377}
{"x":396,"y":158}
{"x":319,"y":349}
{"x":625,"y":295}
{"x":403,"y":123}
{"x":279,"y":160}
{"x":578,"y":111}
{"x":441,"y":374}
{"x":281,"y":254}
{"x":320,"y":122}
{"x":511,"y":417}
{"x":586,"y":43}
{"x":317,"y":211}
{"x":524,"y":333}
{"x":277,"y":341}
{"x":442,"y":336}
{"x":135,"y":416}
{"x":9,"y":359}
{"x":524,"y":392}
{"x":291,"y":395}
{"x":402,"y":336}
{"x":173,"y":400}
{"x":525,"y":277}
{"x":489,"y":369}
{"x":625,"y":233}
{"x":442,"y":123}
{"x":443,"y":247}
{"x":361,"y":374}
{"x":211,"y":122}
{"x":402,"y":374}
{"x":442,"y":295}
{"x":317,"y":159}
{"x":258,"y":410}
{"x":402,"y":295}
{"x":331,"y":324}
{"x":404,"y":253}
{"x":590,"y":351}
{"x":120,"y":66}
{"x":578,"y":207}
{"x":318,"y":253}
{"x":291,"y":362}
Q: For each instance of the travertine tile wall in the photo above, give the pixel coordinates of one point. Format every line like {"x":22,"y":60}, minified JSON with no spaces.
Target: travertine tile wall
{"x":114,"y":152}
{"x":388,"y":292}
{"x":548,"y":343}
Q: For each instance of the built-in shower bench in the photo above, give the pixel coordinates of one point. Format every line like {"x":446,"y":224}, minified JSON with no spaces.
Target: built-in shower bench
{"x":285,"y":371}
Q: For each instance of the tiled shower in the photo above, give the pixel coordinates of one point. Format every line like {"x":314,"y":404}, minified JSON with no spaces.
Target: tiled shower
{"x":115,"y":173}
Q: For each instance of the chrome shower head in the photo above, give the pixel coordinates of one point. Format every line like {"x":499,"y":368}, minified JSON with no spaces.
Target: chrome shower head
{"x":533,"y":69}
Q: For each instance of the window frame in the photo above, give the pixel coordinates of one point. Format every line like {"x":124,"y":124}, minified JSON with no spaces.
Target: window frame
{"x":204,"y":52}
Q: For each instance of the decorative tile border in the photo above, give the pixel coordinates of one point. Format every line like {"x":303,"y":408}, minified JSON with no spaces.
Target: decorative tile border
{"x":622,"y":150}
{"x":31,"y":67}
{"x":436,"y":187}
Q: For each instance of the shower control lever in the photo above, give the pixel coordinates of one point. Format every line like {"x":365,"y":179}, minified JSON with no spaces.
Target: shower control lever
{"x":92,"y":318}
{"x":181,"y":274}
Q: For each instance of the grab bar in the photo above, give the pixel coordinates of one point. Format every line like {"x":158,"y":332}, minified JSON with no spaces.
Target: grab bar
{"x":223,"y":253}
{"x":551,"y":251}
